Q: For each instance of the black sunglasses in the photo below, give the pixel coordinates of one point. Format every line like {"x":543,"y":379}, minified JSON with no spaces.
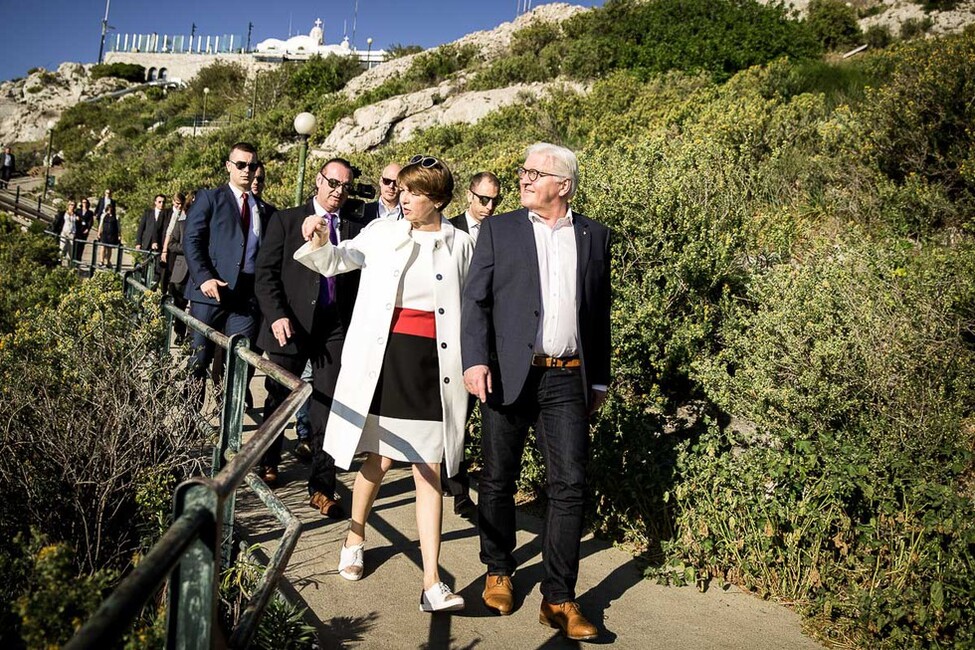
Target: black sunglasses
{"x":486,"y":199}
{"x":259,"y":179}
{"x":424,"y":161}
{"x":389,"y":182}
{"x":333,"y":183}
{"x":240,"y":165}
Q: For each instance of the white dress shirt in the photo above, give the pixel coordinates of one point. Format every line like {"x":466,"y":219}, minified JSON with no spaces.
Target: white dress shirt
{"x":393,"y":214}
{"x":320,"y":213}
{"x":473,"y":226}
{"x":557,"y":334}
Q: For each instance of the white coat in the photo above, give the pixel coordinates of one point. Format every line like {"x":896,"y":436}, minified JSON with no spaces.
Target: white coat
{"x":382,"y":250}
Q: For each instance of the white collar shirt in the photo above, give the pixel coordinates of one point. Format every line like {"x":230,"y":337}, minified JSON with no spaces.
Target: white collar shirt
{"x":473,"y":226}
{"x":336,"y":220}
{"x":558,"y":333}
{"x":254,"y":234}
{"x":386,"y":212}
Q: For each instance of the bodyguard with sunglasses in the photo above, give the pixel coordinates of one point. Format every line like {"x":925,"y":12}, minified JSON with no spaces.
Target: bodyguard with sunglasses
{"x":387,"y":205}
{"x":483,"y":196}
{"x":535,"y":339}
{"x":223,"y":235}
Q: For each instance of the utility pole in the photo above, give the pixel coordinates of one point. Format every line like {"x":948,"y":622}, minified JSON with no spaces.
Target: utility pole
{"x":355,"y":18}
{"x":250,"y":27}
{"x":101,"y":47}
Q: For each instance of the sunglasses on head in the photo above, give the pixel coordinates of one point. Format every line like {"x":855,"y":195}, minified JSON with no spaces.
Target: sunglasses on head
{"x":240,"y":165}
{"x":333,"y":183}
{"x":485,"y":200}
{"x":424,"y":161}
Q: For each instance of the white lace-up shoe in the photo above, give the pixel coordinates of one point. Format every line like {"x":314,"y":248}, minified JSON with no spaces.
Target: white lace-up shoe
{"x":350,"y":561}
{"x":439,"y":598}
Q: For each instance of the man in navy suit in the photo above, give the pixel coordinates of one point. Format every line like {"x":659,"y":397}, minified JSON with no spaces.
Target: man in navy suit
{"x":535,"y":342}
{"x":223,"y":234}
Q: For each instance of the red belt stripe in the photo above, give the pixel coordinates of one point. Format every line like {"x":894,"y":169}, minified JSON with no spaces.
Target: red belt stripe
{"x":414,"y":322}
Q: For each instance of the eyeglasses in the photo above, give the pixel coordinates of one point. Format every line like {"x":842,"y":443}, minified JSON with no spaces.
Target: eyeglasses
{"x":487,"y":199}
{"x":333,"y":183}
{"x":240,"y":165}
{"x":388,"y":182}
{"x":425,"y":161}
{"x":533,"y":174}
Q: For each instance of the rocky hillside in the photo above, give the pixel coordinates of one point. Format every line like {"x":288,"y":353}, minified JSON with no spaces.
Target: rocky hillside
{"x":894,"y":13}
{"x":27,"y":105}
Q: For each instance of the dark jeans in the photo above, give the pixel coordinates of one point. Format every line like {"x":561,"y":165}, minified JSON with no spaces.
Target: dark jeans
{"x":325,"y":362}
{"x":236,"y":314}
{"x":180,"y":302}
{"x":554,"y":403}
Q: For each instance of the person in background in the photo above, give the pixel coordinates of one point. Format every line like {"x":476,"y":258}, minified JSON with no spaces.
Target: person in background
{"x":7,"y":165}
{"x":387,"y":205}
{"x":66,"y":225}
{"x":86,"y":217}
{"x":401,"y":399}
{"x":176,"y":262}
{"x":109,"y":234}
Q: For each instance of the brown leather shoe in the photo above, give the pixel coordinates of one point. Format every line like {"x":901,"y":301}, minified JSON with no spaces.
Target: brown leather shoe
{"x":568,"y":618}
{"x":326,"y":505}
{"x":268,"y":474}
{"x":499,"y":595}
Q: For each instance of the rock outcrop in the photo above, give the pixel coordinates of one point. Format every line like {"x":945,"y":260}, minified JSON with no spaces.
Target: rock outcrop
{"x":28,"y":105}
{"x":399,"y":118}
{"x":894,"y":13}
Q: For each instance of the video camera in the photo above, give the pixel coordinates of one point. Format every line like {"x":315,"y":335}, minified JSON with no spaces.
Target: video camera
{"x":356,"y":203}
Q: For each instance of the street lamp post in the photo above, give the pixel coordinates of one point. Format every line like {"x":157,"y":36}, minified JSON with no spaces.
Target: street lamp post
{"x":369,"y":53}
{"x":304,"y":125}
{"x":206,"y":93}
{"x":50,"y":146}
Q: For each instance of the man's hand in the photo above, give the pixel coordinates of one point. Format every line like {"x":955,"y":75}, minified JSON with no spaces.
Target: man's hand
{"x":211,"y":288}
{"x":162,"y":257}
{"x":477,"y":381}
{"x":596,"y":400}
{"x":155,"y":246}
{"x":282,"y":330}
{"x":315,"y":229}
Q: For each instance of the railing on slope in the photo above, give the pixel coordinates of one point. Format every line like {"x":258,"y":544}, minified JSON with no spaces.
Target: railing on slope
{"x":192,"y":550}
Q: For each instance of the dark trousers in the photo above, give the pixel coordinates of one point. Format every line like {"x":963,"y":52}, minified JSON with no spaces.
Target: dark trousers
{"x":180,"y":302}
{"x":5,"y":174}
{"x":325,"y":357}
{"x":553,"y":401}
{"x":236,"y":314}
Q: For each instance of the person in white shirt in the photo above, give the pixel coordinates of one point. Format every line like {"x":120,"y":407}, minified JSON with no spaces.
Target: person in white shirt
{"x":387,"y":207}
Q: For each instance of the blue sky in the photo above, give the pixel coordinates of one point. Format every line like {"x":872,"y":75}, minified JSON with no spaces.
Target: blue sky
{"x":46,"y":33}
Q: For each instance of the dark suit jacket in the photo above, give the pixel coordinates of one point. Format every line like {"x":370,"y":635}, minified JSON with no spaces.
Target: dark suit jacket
{"x":370,"y":211}
{"x":460,"y":222}
{"x":175,"y":257}
{"x":213,"y":241}
{"x":85,"y":220}
{"x":100,"y":208}
{"x":150,"y":230}
{"x":288,"y":289}
{"x":502,"y":302}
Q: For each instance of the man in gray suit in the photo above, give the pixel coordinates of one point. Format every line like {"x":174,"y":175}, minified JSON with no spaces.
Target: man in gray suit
{"x":535,"y":341}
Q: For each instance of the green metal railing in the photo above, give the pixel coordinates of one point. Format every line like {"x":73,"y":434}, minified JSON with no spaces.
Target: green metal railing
{"x":199,"y":542}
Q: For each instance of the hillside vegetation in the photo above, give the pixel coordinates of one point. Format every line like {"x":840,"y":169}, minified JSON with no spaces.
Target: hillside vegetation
{"x":794,"y":278}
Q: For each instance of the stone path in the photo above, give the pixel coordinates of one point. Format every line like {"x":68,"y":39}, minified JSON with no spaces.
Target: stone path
{"x":381,"y":611}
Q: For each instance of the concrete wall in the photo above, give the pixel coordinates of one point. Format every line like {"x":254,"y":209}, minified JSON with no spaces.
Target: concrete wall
{"x":186,"y":66}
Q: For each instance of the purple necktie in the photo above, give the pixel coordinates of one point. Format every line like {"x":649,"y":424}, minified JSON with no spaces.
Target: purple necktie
{"x":326,"y":286}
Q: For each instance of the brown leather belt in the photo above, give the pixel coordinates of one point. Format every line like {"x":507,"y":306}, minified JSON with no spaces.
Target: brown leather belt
{"x":543,"y":361}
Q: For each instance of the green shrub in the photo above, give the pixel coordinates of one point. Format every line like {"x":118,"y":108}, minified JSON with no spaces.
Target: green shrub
{"x":397,"y":50}
{"x":127,"y":71}
{"x":877,"y":36}
{"x":321,"y":76}
{"x":914,"y":27}
{"x":834,"y":23}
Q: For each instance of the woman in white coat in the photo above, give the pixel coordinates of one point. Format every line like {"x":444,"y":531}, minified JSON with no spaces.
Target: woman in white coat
{"x":400,"y":392}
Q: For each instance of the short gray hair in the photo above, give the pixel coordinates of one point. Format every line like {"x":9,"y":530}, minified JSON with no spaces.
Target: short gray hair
{"x":565,"y":160}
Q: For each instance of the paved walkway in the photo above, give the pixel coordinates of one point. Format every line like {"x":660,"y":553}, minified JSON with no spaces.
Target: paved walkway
{"x":382,"y":610}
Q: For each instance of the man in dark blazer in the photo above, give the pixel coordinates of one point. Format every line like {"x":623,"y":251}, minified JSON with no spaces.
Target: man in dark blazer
{"x":306,"y":318}
{"x":152,"y":225}
{"x":387,"y":205}
{"x":103,"y":203}
{"x":222,"y":237}
{"x":483,"y":196}
{"x":535,"y":341}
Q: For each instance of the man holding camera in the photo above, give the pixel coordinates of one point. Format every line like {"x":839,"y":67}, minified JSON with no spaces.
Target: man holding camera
{"x":306,"y":317}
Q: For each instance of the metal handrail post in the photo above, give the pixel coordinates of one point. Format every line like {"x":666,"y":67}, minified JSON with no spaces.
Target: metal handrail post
{"x":194,"y":587}
{"x":17,"y":202}
{"x":231,"y":426}
{"x":94,"y":254}
{"x":121,"y":253}
{"x":167,"y":314}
